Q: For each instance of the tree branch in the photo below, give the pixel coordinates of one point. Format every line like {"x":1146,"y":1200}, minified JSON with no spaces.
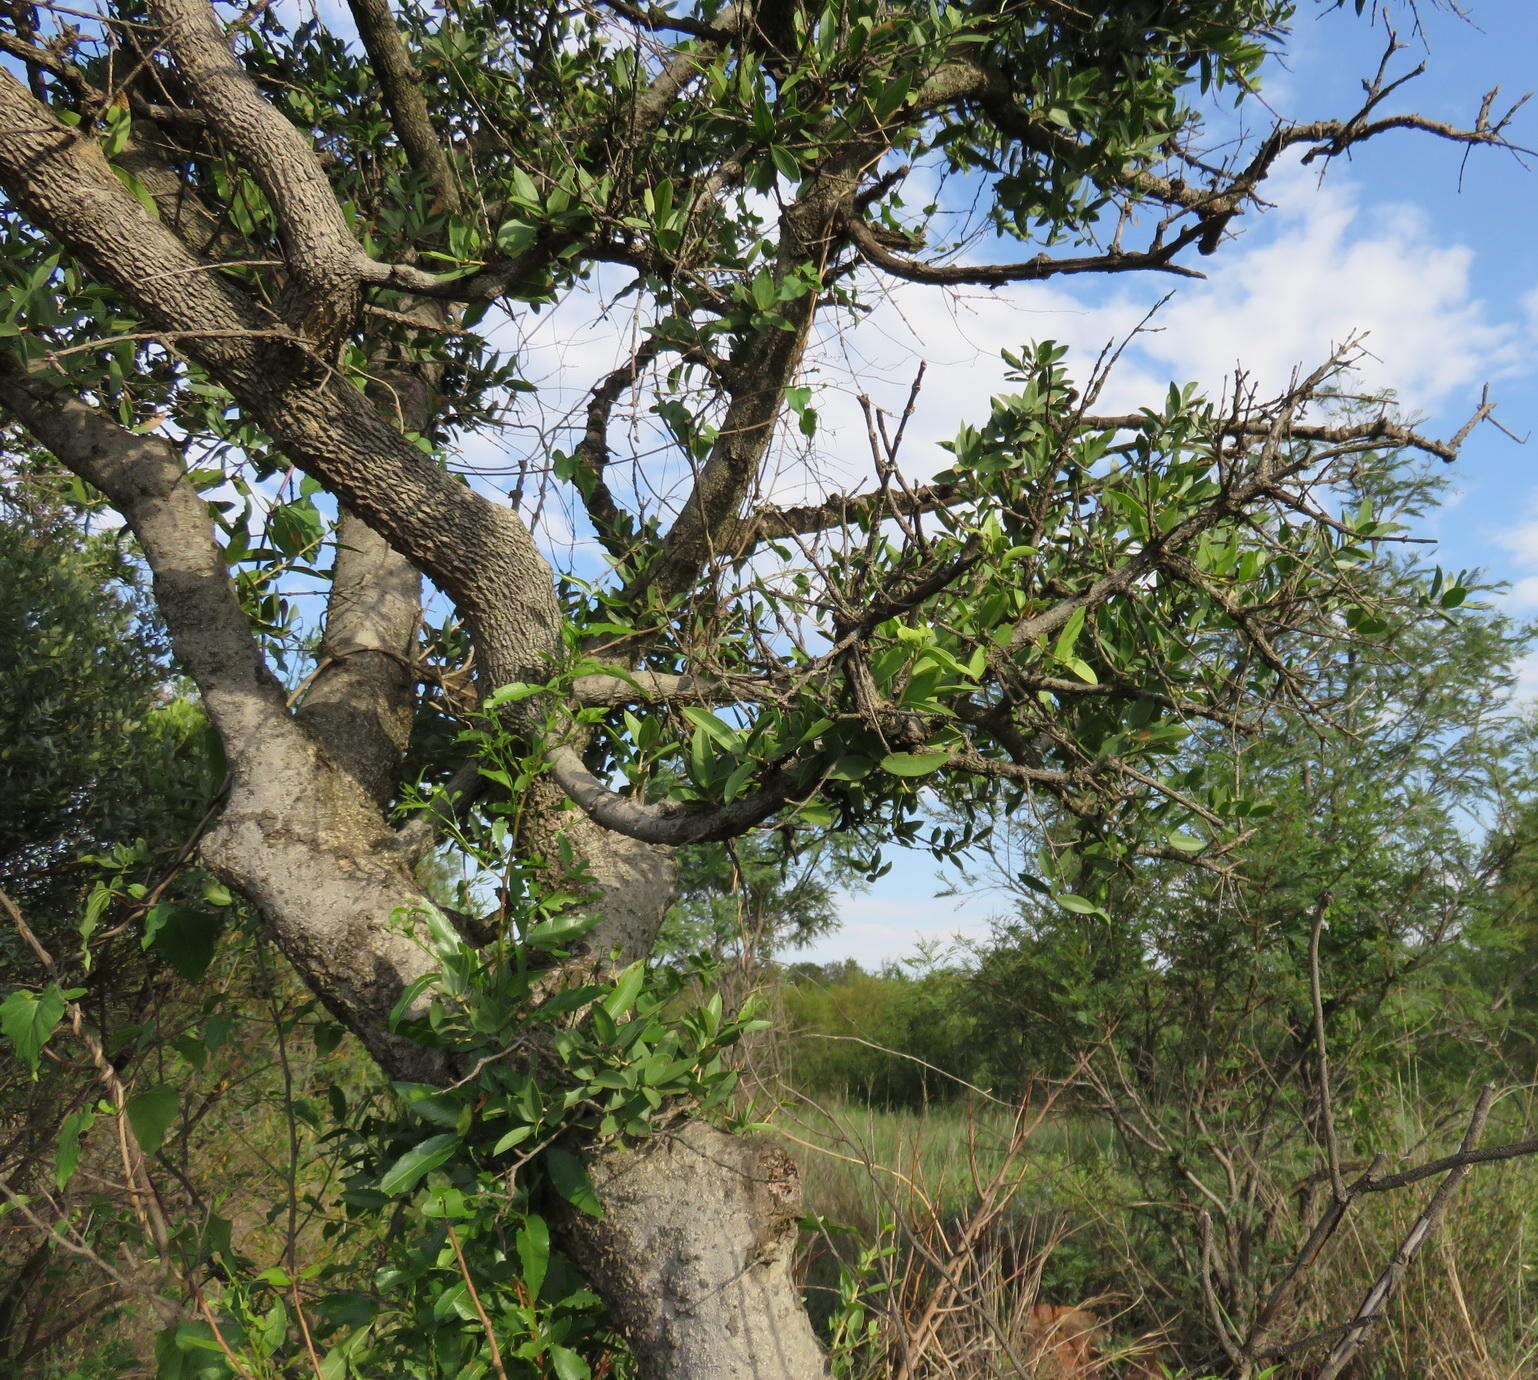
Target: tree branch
{"x":669,"y":825}
{"x":359,"y":703}
{"x":479,"y":553}
{"x":1157,"y":258}
{"x":143,"y":477}
{"x":322,"y":254}
{"x":401,"y":86}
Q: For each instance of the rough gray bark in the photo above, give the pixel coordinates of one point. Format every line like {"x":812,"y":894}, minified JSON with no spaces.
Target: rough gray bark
{"x":694,"y":1255}
{"x":297,"y":833}
{"x":704,"y":1218}
{"x":359,"y":703}
{"x":478,"y":553}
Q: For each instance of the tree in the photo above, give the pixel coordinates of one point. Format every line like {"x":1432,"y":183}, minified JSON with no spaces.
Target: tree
{"x":242,"y":252}
{"x":97,"y":747}
{"x":1185,"y":1014}
{"x":756,"y":896}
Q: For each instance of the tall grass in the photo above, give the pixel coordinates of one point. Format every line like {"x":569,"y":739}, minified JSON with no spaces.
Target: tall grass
{"x":1009,"y":1218}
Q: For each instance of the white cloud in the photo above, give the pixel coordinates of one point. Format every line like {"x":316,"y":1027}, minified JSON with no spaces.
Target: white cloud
{"x":1326,"y":267}
{"x":1526,"y":687}
{"x":1321,"y":267}
{"x":1521,"y":541}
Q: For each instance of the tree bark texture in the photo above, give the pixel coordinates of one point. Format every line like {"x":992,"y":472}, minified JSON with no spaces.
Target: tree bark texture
{"x":694,"y":1255}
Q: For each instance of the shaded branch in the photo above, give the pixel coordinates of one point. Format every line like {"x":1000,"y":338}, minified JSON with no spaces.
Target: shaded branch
{"x":668,"y":824}
{"x":401,"y":86}
{"x":1420,"y":1232}
{"x":1156,"y":258}
{"x":660,"y":687}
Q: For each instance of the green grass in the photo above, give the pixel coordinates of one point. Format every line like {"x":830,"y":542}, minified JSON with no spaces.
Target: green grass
{"x":860,"y":1163}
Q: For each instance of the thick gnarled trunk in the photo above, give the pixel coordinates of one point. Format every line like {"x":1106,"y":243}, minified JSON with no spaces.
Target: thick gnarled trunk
{"x":694,"y":1253}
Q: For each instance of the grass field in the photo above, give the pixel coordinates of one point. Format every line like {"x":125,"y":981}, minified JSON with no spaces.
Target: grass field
{"x":1020,"y":1212}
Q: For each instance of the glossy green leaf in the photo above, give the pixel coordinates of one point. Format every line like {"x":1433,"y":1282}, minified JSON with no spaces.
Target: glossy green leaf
{"x":408,"y":1170}
{"x":914,"y":763}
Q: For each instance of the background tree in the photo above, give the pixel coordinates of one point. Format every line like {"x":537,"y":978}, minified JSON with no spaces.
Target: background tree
{"x":1184,"y":1012}
{"x":753,"y":898}
{"x":91,"y":715}
{"x":243,"y":252}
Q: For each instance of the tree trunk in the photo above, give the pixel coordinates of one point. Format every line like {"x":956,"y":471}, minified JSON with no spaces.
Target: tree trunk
{"x":693,"y":1256}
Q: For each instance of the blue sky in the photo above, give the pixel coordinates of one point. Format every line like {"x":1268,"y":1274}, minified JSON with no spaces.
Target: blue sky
{"x":1434,"y":256}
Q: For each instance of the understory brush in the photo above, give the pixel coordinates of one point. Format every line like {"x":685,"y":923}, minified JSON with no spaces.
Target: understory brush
{"x":968,"y":1239}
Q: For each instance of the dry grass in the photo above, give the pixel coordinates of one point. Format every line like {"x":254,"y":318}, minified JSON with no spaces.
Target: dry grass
{"x":941,"y":1225}
{"x":961,"y":1223}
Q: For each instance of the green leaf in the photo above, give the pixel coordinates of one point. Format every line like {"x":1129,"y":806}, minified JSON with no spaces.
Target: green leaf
{"x":295,"y":527}
{"x":568,"y":1365}
{"x":76,"y":1124}
{"x":570,"y":1180}
{"x":29,"y":1021}
{"x":626,"y":990}
{"x":1069,"y":635}
{"x":454,"y":1300}
{"x":785,"y":161}
{"x":1077,"y":904}
{"x":722,"y":733}
{"x":150,"y":1114}
{"x":548,"y":934}
{"x":533,"y":1243}
{"x":511,"y":693}
{"x":914,"y":763}
{"x":422,"y":1099}
{"x":184,"y":937}
{"x":327,"y":1036}
{"x":1185,"y":843}
{"x":739,"y":778}
{"x":274,"y":1327}
{"x":516,"y":1136}
{"x":514,"y":236}
{"x":1081,"y":669}
{"x":407,"y":1172}
{"x":117,"y":125}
